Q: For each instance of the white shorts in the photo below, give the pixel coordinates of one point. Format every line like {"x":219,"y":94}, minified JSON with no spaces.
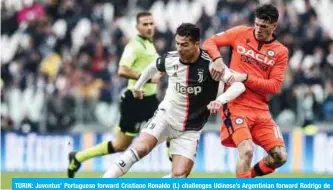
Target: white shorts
{"x":183,"y":143}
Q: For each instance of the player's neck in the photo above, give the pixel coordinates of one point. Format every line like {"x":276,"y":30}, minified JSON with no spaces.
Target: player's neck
{"x":194,"y":57}
{"x":145,"y":38}
{"x":270,"y":39}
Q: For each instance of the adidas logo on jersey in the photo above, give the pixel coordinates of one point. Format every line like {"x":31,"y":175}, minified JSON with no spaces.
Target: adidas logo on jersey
{"x":191,"y":90}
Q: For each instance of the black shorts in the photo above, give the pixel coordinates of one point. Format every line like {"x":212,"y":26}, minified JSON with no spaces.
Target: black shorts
{"x":134,"y":111}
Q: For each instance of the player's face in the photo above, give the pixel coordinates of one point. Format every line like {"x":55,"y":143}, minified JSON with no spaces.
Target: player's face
{"x":186,"y":48}
{"x":146,"y":26}
{"x":263,"y":29}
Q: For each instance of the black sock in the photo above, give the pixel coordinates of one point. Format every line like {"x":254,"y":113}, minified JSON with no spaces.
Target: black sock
{"x":110,"y":148}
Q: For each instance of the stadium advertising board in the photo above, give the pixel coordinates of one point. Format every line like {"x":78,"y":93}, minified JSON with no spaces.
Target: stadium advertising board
{"x":33,"y":152}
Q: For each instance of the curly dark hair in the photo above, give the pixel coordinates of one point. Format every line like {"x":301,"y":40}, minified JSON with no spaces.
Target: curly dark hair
{"x":267,"y":12}
{"x":189,"y":30}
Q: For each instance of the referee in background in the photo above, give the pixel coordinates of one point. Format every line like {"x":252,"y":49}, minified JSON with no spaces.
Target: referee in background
{"x":137,"y":55}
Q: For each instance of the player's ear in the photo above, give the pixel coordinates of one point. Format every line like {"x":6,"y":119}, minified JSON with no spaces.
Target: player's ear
{"x":275,"y":25}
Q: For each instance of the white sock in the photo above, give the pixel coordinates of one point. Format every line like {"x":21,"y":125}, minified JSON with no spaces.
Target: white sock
{"x":121,"y":165}
{"x":168,"y":176}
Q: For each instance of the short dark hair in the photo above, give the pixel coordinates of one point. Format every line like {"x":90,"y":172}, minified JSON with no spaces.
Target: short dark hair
{"x":267,"y":12}
{"x":189,"y":30}
{"x":142,"y":14}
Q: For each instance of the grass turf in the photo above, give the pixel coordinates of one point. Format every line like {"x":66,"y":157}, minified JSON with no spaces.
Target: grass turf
{"x":6,"y":177}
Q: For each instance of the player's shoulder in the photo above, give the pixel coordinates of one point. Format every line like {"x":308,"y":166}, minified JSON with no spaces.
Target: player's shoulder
{"x":170,"y":56}
{"x":135,"y":44}
{"x":166,"y":61}
{"x":205,"y":56}
{"x":280,"y":49}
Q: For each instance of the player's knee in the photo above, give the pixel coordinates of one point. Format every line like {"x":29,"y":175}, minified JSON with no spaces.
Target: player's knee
{"x":180,"y":172}
{"x":120,"y":147}
{"x":142,"y":149}
{"x":280,"y":158}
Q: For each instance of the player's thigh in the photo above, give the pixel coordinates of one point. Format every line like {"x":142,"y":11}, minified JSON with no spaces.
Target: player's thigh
{"x":152,"y":134}
{"x":181,"y":166}
{"x":157,"y":126}
{"x":184,"y":144}
{"x":235,"y":129}
{"x":267,"y":135}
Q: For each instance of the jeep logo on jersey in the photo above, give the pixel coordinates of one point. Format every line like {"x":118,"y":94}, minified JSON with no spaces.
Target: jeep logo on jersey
{"x":254,"y":55}
{"x":191,"y":90}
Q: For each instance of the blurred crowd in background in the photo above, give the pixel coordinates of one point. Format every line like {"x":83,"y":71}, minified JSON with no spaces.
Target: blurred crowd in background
{"x":59,"y":58}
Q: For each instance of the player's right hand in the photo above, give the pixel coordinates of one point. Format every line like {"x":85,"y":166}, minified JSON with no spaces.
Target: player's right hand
{"x":217,"y":69}
{"x":214,"y":106}
{"x":139,"y":94}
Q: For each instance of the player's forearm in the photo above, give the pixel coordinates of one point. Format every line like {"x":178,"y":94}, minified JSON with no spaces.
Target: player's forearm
{"x":270,"y":86}
{"x":128,"y":73}
{"x":147,"y":74}
{"x":212,"y":48}
{"x":236,"y":89}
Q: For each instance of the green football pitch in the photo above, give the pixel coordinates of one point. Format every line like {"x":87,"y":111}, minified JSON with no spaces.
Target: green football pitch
{"x":6,"y":177}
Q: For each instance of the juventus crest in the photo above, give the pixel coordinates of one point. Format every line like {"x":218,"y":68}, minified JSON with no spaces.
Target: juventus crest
{"x":200,"y":75}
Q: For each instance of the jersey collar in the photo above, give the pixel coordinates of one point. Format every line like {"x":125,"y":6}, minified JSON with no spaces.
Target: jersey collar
{"x":139,"y":37}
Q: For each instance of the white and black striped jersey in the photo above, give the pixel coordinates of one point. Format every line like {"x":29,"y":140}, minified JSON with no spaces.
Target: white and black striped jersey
{"x":190,"y":89}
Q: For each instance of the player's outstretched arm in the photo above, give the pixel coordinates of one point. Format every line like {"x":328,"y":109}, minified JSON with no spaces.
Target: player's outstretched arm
{"x":235,"y":89}
{"x":146,"y":75}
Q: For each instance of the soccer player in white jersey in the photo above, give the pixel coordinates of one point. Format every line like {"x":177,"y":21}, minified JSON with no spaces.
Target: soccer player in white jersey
{"x":189,"y":100}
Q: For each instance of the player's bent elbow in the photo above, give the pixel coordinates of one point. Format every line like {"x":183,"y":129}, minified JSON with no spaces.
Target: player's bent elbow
{"x":121,"y":72}
{"x":276,"y":90}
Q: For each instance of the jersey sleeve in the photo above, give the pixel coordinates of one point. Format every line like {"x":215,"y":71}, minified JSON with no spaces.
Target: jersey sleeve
{"x":227,"y":75}
{"x":225,"y":38}
{"x":235,"y":90}
{"x":129,"y":55}
{"x":147,"y":74}
{"x":160,"y":63}
{"x":272,"y":85}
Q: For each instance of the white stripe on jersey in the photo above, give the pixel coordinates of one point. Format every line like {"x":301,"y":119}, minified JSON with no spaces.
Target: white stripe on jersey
{"x":205,"y":56}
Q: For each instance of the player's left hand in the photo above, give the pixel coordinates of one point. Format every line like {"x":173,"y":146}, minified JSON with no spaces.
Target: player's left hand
{"x":238,"y":77}
{"x":214,"y":106}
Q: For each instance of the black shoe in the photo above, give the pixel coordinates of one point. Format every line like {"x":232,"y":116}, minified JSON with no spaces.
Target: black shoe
{"x":73,"y":166}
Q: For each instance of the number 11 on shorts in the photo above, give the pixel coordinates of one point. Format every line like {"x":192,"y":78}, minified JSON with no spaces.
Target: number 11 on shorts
{"x":277,"y":131}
